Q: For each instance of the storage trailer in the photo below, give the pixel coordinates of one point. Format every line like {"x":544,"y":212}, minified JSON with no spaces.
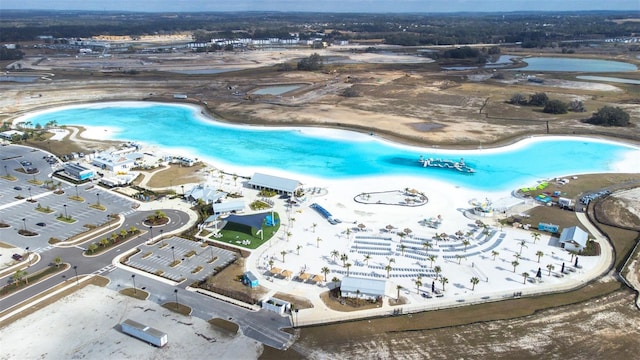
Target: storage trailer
{"x":144,"y":333}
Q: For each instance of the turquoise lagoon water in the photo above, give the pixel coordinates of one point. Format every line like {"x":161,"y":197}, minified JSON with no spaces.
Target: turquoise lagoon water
{"x":313,"y":152}
{"x":575,"y":65}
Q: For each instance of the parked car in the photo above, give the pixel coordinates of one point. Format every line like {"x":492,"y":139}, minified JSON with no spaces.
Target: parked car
{"x":17,"y":188}
{"x":16,"y":257}
{"x":41,"y":224}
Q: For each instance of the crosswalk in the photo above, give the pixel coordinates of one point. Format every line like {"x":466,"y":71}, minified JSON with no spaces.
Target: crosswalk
{"x":41,"y":250}
{"x":128,"y":212}
{"x":105,"y":270}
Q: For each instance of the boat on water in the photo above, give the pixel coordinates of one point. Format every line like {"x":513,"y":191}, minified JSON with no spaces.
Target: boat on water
{"x":446,"y":164}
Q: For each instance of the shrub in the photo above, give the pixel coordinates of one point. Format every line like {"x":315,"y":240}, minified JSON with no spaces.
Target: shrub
{"x":555,"y":107}
{"x":538,"y":99}
{"x":609,"y":116}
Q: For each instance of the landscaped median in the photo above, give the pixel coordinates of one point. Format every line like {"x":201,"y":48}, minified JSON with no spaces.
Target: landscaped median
{"x":21,"y":278}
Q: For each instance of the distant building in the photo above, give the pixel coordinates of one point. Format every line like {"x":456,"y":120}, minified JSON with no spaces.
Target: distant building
{"x":78,"y":172}
{"x":228,"y":207}
{"x":9,"y":134}
{"x":278,"y":184}
{"x":206,"y":194}
{"x":355,"y":287}
{"x":573,"y":239}
{"x":115,"y":162}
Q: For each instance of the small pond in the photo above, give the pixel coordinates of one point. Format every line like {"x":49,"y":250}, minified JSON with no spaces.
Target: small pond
{"x":575,"y":65}
{"x":277,"y":90}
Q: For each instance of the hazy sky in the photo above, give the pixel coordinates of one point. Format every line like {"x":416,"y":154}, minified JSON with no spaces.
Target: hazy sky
{"x":381,"y":6}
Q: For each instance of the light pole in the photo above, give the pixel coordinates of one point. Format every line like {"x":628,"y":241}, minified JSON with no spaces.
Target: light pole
{"x":176,"y":292}
{"x":29,"y":189}
{"x":211,"y":248}
{"x":98,"y":195}
{"x":28,"y":255}
{"x":75,"y":268}
{"x":24,"y":223}
{"x":173,"y":252}
{"x":65,"y":212}
{"x":161,"y":231}
{"x":182,"y":186}
{"x":150,"y":233}
{"x":6,"y":172}
{"x":133,"y":278}
{"x":77,"y":196}
{"x":109,"y":222}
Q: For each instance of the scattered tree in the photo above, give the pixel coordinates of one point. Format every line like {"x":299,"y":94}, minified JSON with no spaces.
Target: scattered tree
{"x":494,"y":254}
{"x":474,"y":282}
{"x":555,"y":107}
{"x":610,"y":116}
{"x":518,"y":99}
{"x":550,"y":267}
{"x":539,"y":254}
{"x":515,"y":264}
{"x":525,"y":275}
{"x":576,"y":106}
{"x":538,"y":99}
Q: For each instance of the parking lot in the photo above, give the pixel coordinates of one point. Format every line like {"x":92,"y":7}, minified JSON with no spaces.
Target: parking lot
{"x":157,"y":258}
{"x":21,"y":199}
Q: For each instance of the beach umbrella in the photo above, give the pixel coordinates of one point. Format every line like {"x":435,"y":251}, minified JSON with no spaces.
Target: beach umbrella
{"x":562,"y":271}
{"x":539,"y":274}
{"x":576,"y":263}
{"x":407,"y":231}
{"x":389,"y":227}
{"x":361,"y":226}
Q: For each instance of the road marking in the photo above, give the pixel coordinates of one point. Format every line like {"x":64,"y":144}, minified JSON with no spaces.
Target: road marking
{"x":107,"y":269}
{"x":41,"y":250}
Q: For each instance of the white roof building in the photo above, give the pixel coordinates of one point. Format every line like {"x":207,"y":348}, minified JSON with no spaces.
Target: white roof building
{"x":573,"y":239}
{"x":205,"y":193}
{"x":282,"y":185}
{"x":227,"y":207}
{"x":363,"y":287}
{"x":115,"y":162}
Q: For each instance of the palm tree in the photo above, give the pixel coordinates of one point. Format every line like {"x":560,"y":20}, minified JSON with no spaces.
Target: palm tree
{"x":432,"y":258}
{"x":19,"y":275}
{"x":525,"y":275}
{"x":398,"y":288}
{"x":271,"y":263}
{"x":313,"y":226}
{"x":104,"y":242}
{"x":535,"y":236}
{"x":427,"y":245}
{"x":443,"y":280}
{"x":367,"y":257}
{"x":57,"y":261}
{"x":298,"y":249}
{"x":494,"y":254}
{"x":133,"y":230}
{"x":93,"y":247}
{"x":460,"y":257}
{"x":486,"y":233}
{"x":402,"y":248}
{"x":388,"y":268}
{"x":344,"y":258}
{"x":335,"y":254}
{"x":437,"y":270}
{"x":288,"y":235}
{"x":539,"y":254}
{"x":318,"y":241}
{"x":347,"y":265}
{"x":418,"y":283}
{"x":437,"y":237}
{"x":348,"y":233}
{"x":515,"y":264}
{"x":391,"y":260}
{"x":283,"y":253}
{"x":474,"y":282}
{"x":466,"y":243}
{"x":523,"y":244}
{"x":550,"y":267}
{"x":325,"y":270}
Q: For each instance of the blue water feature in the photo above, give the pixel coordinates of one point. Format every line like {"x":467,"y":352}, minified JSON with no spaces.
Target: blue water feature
{"x":575,"y":65}
{"x":345,"y":155}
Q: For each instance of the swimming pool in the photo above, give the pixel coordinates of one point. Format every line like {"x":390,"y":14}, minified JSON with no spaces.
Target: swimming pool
{"x":336,"y":154}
